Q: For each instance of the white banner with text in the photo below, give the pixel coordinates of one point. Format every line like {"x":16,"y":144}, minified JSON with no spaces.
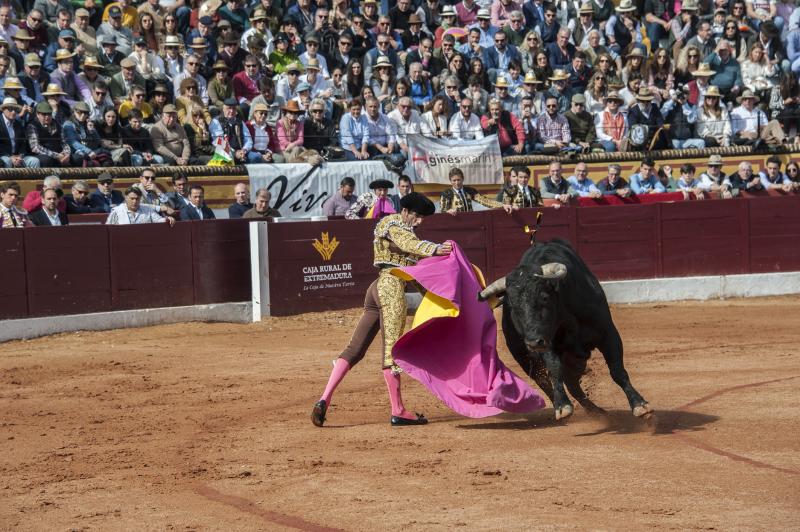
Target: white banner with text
{"x":431,"y":159}
{"x":300,"y":190}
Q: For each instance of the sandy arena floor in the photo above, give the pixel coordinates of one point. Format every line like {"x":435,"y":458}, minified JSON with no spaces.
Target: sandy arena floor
{"x":206,"y":426}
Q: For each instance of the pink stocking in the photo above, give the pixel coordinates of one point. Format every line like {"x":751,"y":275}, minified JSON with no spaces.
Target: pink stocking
{"x":396,"y":400}
{"x":340,"y":369}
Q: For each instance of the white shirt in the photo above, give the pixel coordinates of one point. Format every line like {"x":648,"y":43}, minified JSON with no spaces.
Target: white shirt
{"x":260,"y":137}
{"x":749,"y":121}
{"x":120,"y":215}
{"x":462,"y":129}
{"x":405,"y":127}
{"x":54,"y":219}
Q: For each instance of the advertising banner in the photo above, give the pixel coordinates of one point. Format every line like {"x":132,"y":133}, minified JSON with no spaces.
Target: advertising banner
{"x":301,"y":190}
{"x":432,"y":158}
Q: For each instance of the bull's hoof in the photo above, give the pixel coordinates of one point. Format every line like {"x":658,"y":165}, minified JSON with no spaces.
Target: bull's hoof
{"x":643,"y":411}
{"x":564,"y":412}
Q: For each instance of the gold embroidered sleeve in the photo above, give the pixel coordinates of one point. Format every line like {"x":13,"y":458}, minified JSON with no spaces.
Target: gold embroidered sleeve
{"x":445,"y":203}
{"x":487,"y":202}
{"x":509,"y":196}
{"x":408,"y":242}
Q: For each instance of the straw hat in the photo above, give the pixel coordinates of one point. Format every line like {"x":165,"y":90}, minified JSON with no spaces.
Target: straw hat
{"x":260,"y":107}
{"x":715,"y":160}
{"x":713,"y":90}
{"x":53,"y":89}
{"x":12,"y":83}
{"x":313,"y":63}
{"x":32,"y":60}
{"x":690,"y":5}
{"x":10,"y":103}
{"x":198,"y":42}
{"x":586,"y":9}
{"x":644,"y":94}
{"x":22,"y":35}
{"x":169,"y":109}
{"x":91,"y":62}
{"x":294,"y":66}
{"x":703,"y":71}
{"x":482,"y":13}
{"x":449,"y":11}
{"x":501,"y":81}
{"x":625,"y":6}
{"x":747,"y":95}
{"x":258,"y":14}
{"x":613,"y":95}
{"x":220,"y":65}
{"x":383,"y":61}
{"x":559,"y":75}
{"x":172,"y":40}
{"x":530,"y":77}
{"x":63,"y":53}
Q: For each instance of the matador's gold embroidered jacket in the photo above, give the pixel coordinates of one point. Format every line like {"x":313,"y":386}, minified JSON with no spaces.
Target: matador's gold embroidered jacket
{"x":396,"y":244}
{"x":450,"y":200}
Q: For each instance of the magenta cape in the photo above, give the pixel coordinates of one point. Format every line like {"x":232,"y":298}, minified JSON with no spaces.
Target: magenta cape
{"x":452,"y":346}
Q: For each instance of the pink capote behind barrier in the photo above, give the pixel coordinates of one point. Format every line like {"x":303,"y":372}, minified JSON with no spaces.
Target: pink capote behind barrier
{"x":456,"y":357}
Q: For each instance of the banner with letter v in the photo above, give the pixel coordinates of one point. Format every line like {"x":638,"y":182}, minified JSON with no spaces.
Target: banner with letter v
{"x":431,"y":159}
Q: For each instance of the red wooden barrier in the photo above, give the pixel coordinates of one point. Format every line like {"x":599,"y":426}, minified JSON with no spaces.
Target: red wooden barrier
{"x":13,"y":288}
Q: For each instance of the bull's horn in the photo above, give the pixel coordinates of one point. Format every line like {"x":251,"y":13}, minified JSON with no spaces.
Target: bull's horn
{"x":553,"y":270}
{"x":496,"y":288}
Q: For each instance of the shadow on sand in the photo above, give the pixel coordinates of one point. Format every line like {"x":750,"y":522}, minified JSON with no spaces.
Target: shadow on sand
{"x":612,"y":422}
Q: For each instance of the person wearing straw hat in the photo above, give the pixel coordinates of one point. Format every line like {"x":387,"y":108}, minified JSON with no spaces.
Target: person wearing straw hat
{"x":320,"y":87}
{"x":13,"y":144}
{"x":108,"y":56}
{"x":699,"y":85}
{"x":220,"y":88}
{"x":64,"y":76}
{"x":713,"y":121}
{"x":64,"y":41}
{"x":91,"y":72}
{"x":44,"y":138}
{"x":750,"y":125}
{"x":312,"y":52}
{"x":623,"y":28}
{"x":22,"y":44}
{"x":579,"y":28}
{"x":714,"y":180}
{"x":610,"y":125}
{"x":55,"y":97}
{"x":204,"y":31}
{"x":559,"y":82}
{"x":647,"y":119}
{"x":502,"y":93}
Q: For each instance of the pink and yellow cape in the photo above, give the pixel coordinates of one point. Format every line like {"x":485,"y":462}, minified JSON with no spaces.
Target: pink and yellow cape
{"x":451,"y":347}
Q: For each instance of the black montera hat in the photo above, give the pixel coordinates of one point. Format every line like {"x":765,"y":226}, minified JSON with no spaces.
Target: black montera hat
{"x":381,"y":183}
{"x":418,"y":203}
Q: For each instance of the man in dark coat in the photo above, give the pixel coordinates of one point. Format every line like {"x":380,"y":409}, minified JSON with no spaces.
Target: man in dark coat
{"x":197,"y":209}
{"x":49,"y":213}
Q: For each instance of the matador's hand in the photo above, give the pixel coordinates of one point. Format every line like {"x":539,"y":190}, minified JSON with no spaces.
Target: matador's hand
{"x":444,"y":249}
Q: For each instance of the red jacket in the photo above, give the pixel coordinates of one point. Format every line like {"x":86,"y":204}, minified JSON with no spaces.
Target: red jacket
{"x":245,"y":87}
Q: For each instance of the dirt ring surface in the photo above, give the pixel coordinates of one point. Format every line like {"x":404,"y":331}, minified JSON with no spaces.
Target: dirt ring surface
{"x":206,"y":427}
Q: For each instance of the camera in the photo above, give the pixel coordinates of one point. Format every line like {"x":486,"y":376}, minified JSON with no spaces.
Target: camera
{"x":678,"y":94}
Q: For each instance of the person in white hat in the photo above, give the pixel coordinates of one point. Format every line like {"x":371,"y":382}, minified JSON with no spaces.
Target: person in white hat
{"x":647,"y":114}
{"x":64,"y":76}
{"x":13,"y":144}
{"x":484,"y":24}
{"x":623,"y":28}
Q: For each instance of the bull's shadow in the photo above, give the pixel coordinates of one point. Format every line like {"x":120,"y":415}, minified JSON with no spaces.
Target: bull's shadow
{"x":612,"y":422}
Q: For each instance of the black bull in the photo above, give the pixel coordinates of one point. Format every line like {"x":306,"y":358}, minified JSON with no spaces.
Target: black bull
{"x":554,"y":314}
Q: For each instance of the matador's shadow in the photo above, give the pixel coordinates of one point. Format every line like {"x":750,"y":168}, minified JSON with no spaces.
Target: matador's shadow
{"x":612,"y":422}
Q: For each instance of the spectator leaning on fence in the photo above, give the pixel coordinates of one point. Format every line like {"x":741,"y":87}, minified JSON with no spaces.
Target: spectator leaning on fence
{"x":133,"y":212}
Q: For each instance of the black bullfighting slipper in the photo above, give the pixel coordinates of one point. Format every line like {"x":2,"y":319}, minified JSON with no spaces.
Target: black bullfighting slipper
{"x":401,"y":421}
{"x":318,"y":413}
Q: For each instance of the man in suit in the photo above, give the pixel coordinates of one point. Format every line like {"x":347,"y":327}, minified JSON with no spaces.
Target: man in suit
{"x":78,"y":200}
{"x":49,"y":213}
{"x":383,"y":49}
{"x":122,"y":83}
{"x":404,"y":187}
{"x":197,"y":209}
{"x":500,"y":55}
{"x":459,"y":198}
{"x":13,"y":146}
{"x":105,"y":197}
{"x":179,"y":197}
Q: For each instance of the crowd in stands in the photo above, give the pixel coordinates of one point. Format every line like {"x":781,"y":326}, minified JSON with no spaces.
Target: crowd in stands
{"x":143,"y":82}
{"x":144,"y":202}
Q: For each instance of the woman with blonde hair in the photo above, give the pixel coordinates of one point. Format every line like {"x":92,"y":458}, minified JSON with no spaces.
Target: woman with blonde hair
{"x":688,"y":62}
{"x":189,"y":99}
{"x":713,"y":122}
{"x":758,"y":73}
{"x":634,"y":62}
{"x":595,"y":93}
{"x":528,"y":50}
{"x":196,"y":128}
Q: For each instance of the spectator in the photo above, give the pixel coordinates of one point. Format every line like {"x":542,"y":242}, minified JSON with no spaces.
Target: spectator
{"x":13,"y":144}
{"x":687,"y":184}
{"x":434,"y":120}
{"x":135,"y":136}
{"x":320,"y":87}
{"x":111,"y":139}
{"x":65,"y":78}
{"x":510,"y":134}
{"x":553,"y":129}
{"x":404,"y":187}
{"x":645,"y":180}
{"x":682,"y":119}
{"x":421,"y":90}
{"x":744,"y":180}
{"x":136,"y":102}
{"x":262,"y":135}
{"x":197,"y":209}
{"x":528,"y":121}
{"x":241,"y":193}
{"x":123,"y":82}
{"x":77,"y":202}
{"x":646,"y":113}
{"x":198,"y":134}
{"x":105,"y":198}
{"x":262,"y":209}
{"x":772,"y":178}
{"x":49,"y":213}
{"x":133,"y":212}
{"x":114,"y":29}
{"x":382,"y":140}
{"x":383,"y":79}
{"x":793,"y":173}
{"x":704,"y":40}
{"x":189,"y":101}
{"x":614,"y":184}
{"x":147,"y":64}
{"x":151,"y":194}
{"x":245,"y":83}
{"x":548,"y":27}
{"x":109,"y":58}
{"x":713,"y":180}
{"x":554,"y":186}
{"x":713,"y":122}
{"x":459,"y":198}
{"x":10,"y":215}
{"x":44,"y":138}
{"x":179,"y":197}
{"x":192,"y":71}
{"x":83,"y":139}
{"x":33,"y":79}
{"x":498,"y":57}
{"x":561,"y":52}
{"x":502,"y":94}
{"x":581,"y":183}
{"x":465,"y":125}
{"x":354,"y":133}
{"x":61,"y":109}
{"x":610,"y":125}
{"x":318,"y":132}
{"x":581,"y":125}
{"x":340,"y":202}
{"x":231,"y":129}
{"x":170,"y":139}
{"x":521,"y":195}
{"x":65,"y":41}
{"x":99,"y":101}
{"x":282,"y":56}
{"x":728,"y":77}
{"x":33,"y":199}
{"x":220,"y":88}
{"x":290,"y":131}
